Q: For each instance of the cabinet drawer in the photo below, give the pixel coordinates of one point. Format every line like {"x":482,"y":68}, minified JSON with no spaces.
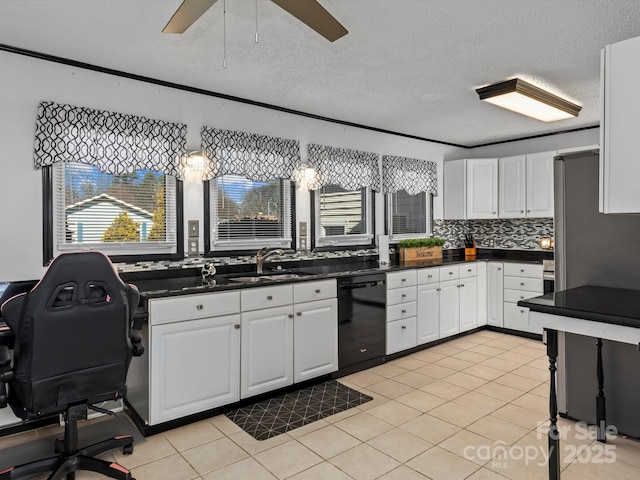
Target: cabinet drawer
{"x":190,"y":307}
{"x":449,"y":273}
{"x":266,"y":297}
{"x":468,"y":270}
{"x":522,"y":283}
{"x":405,"y":278}
{"x":523,"y":270}
{"x":402,"y":310}
{"x":401,"y":295}
{"x":309,"y":291}
{"x":401,"y":335}
{"x":428,"y":275}
{"x":517,"y":318}
{"x":514,"y":296}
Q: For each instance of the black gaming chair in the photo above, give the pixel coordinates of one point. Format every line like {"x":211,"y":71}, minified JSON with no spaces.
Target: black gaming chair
{"x":73,"y":345}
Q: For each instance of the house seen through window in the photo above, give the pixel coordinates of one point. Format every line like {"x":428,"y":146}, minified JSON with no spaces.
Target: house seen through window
{"x":343,"y":217}
{"x":114,"y":213}
{"x":247,"y":214}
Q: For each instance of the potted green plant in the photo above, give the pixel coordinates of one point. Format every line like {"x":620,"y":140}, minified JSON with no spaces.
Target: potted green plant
{"x":415,"y":249}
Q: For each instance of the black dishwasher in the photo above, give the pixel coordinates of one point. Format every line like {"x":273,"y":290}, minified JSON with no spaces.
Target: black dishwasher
{"x":361,"y":320}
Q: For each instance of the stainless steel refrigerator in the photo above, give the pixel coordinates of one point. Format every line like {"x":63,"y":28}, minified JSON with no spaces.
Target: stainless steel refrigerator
{"x":595,"y":249}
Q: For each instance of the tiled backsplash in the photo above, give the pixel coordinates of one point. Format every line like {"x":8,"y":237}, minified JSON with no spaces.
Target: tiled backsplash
{"x":240,"y":260}
{"x":520,"y":233}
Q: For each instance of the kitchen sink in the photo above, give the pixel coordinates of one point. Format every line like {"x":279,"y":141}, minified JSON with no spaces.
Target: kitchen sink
{"x":258,"y":278}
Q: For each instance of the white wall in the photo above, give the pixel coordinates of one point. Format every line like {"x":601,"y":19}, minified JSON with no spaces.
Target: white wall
{"x":24,"y":82}
{"x":543,"y":144}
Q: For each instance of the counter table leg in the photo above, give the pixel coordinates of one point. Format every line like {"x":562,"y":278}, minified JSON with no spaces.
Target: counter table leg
{"x":554,"y":436}
{"x":601,"y":427}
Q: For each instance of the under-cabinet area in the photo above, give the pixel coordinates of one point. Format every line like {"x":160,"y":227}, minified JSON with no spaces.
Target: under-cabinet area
{"x":215,"y":349}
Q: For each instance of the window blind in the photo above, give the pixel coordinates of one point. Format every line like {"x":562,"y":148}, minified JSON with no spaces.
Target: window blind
{"x":117,"y":214}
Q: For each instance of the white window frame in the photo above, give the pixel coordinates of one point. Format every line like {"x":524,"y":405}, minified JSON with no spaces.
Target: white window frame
{"x":111,"y":248}
{"x":286,"y":241}
{"x":428,"y":221}
{"x":345,"y":240}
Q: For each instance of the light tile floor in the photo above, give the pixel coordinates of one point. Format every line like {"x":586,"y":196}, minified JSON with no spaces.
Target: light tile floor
{"x":465,"y":409}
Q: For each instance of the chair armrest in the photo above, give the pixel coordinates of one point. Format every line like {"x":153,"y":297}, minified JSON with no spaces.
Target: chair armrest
{"x":136,"y":342}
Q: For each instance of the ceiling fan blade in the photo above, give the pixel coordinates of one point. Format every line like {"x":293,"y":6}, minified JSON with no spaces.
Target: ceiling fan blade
{"x":315,"y":16}
{"x":186,"y":14}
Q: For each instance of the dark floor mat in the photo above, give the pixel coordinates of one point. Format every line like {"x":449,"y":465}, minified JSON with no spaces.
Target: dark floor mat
{"x":281,"y":414}
{"x":87,"y":435}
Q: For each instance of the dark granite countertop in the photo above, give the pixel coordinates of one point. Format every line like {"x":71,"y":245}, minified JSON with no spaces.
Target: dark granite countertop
{"x":189,"y":281}
{"x":616,"y":306}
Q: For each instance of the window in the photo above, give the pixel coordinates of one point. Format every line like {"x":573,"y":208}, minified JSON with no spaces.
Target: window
{"x":409,"y":215}
{"x":131,"y":214}
{"x":247,"y":215}
{"x":343,"y":217}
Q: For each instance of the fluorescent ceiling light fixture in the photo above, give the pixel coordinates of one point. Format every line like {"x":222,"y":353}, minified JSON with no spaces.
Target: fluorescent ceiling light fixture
{"x":522,"y":97}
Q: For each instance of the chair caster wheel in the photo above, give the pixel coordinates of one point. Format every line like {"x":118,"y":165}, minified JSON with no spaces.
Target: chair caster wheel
{"x":127,"y":450}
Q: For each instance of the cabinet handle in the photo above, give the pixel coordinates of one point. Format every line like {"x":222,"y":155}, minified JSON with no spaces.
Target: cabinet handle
{"x":404,"y":311}
{"x":493,"y":213}
{"x":521,"y":284}
{"x":299,"y":314}
{"x":403,"y":280}
{"x":404,"y":295}
{"x":528,"y":211}
{"x":199,"y":307}
{"x":429,"y":276}
{"x":521,"y":211}
{"x":363,"y":350}
{"x":404,"y":327}
{"x":450,"y":273}
{"x":521,"y":311}
{"x":318,"y":290}
{"x":237,"y":326}
{"x":499,"y":269}
{"x":438,"y":289}
{"x":290,"y":315}
{"x":462,"y":285}
{"x":469,"y":270}
{"x":269,"y":297}
{"x":522,"y":270}
{"x":458,"y":286}
{"x":521,"y":297}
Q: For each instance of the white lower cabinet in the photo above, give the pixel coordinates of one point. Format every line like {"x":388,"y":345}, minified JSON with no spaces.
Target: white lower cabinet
{"x":315,"y":339}
{"x":194,"y":366}
{"x":468,"y":303}
{"x":449,"y":308}
{"x":401,"y":335}
{"x":521,"y":281}
{"x":267,"y":350}
{"x":495,"y":294}
{"x":428,"y":312}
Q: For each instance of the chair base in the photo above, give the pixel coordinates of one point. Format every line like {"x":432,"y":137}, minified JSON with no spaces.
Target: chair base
{"x":70,"y":460}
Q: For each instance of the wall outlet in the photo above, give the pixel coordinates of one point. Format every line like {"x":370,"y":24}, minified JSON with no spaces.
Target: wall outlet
{"x":303,"y":243}
{"x":193,"y":228}
{"x":193,"y":247}
{"x":303,"y":229}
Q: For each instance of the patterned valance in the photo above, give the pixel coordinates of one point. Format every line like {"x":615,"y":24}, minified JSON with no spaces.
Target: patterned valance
{"x":349,"y":169}
{"x":114,"y":142}
{"x":409,"y":174}
{"x":257,"y":157}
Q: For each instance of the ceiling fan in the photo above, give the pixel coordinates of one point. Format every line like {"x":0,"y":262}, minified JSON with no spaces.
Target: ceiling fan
{"x":309,"y":12}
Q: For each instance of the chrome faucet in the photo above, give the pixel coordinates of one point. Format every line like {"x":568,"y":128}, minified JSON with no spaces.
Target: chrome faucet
{"x":263,"y":254}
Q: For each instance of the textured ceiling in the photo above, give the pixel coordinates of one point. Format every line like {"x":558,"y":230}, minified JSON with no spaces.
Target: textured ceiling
{"x":408,"y":66}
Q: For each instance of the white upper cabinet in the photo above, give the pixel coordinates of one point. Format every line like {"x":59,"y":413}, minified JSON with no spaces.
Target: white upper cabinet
{"x":619,"y":120}
{"x":513,"y":197}
{"x":482,"y":188}
{"x":526,"y":185}
{"x":540,"y":184}
{"x":455,"y":193}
